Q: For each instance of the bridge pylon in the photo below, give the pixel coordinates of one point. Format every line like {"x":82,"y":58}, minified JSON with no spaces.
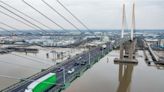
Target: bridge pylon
{"x":128,"y":48}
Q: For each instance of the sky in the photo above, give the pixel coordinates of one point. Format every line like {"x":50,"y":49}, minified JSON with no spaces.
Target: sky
{"x":96,"y":14}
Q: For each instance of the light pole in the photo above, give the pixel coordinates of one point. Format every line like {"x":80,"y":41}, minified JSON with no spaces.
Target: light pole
{"x":89,"y":56}
{"x":64,"y":79}
{"x":89,"y":59}
{"x":102,"y":51}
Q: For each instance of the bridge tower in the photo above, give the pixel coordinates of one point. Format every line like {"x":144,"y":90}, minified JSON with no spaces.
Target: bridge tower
{"x":127,"y":47}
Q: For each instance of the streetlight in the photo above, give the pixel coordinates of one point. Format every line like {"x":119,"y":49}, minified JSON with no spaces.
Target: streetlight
{"x":89,"y":55}
{"x":89,"y":58}
{"x":64,"y":79}
{"x":102,"y":50}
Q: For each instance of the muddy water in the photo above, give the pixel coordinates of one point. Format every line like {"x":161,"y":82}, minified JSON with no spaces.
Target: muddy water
{"x":105,"y":76}
{"x":22,"y":65}
{"x":18,"y":67}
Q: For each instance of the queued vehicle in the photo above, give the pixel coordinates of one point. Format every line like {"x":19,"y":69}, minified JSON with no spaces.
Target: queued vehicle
{"x":84,"y":63}
{"x":71,"y":71}
{"x":103,"y":47}
{"x":79,"y":58}
{"x":43,"y":83}
{"x":59,"y":69}
{"x":76,"y":64}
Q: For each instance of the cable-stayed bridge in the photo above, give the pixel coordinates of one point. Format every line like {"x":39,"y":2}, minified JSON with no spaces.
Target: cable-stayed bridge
{"x":126,"y":43}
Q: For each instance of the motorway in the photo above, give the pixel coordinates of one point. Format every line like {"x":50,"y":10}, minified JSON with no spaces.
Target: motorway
{"x":81,"y":59}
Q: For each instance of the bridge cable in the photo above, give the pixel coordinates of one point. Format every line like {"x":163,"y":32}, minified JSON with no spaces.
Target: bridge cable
{"x":26,"y":15}
{"x":24,"y":56}
{"x":75,"y":17}
{"x":23,"y":18}
{"x":3,"y":29}
{"x":61,"y":15}
{"x":9,"y":26}
{"x":44,"y":15}
{"x":18,"y":20}
{"x":13,"y":28}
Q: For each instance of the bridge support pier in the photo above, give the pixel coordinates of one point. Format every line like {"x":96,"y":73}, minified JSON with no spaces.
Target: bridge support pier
{"x":127,"y":53}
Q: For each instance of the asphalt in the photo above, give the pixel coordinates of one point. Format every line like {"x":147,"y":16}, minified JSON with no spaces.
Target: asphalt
{"x":69,"y":64}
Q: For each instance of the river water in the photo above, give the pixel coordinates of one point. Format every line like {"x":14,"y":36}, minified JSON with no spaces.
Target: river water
{"x":105,"y":76}
{"x":16,"y":66}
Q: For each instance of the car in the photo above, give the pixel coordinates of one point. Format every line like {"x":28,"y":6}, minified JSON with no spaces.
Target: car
{"x":76,"y":64}
{"x":83,"y":63}
{"x":79,"y":58}
{"x":58,"y":63}
{"x":71,"y":71}
{"x":59,"y":69}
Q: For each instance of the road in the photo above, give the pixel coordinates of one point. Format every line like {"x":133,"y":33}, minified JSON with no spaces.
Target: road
{"x":67,"y":65}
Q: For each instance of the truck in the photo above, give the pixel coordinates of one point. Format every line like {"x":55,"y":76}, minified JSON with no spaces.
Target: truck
{"x":43,"y":83}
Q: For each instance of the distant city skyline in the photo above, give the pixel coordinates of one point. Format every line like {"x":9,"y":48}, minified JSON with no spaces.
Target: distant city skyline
{"x":96,"y":14}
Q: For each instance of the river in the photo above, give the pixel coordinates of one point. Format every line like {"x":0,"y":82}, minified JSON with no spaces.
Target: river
{"x":16,"y":66}
{"x":105,"y":76}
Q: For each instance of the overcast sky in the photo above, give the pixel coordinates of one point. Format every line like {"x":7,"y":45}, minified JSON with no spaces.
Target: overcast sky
{"x":96,"y":14}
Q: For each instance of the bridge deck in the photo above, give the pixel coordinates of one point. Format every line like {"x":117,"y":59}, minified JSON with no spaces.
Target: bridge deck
{"x":125,"y":60}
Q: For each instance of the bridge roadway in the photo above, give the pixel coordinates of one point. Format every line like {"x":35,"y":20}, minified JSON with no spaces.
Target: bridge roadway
{"x":68,"y":64}
{"x":93,"y":54}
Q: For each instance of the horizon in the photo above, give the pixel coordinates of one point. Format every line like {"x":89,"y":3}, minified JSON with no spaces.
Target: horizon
{"x":149,"y":13}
